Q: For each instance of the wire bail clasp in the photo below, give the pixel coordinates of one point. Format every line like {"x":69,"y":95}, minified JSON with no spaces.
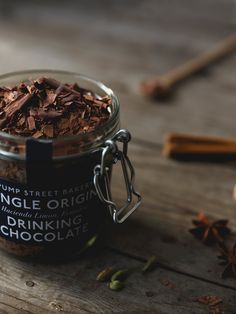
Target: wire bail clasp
{"x":102,"y":172}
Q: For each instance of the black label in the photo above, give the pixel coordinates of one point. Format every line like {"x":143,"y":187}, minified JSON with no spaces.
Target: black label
{"x":46,"y":216}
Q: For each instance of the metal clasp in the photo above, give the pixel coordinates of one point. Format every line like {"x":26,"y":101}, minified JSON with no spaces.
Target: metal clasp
{"x":102,"y":172}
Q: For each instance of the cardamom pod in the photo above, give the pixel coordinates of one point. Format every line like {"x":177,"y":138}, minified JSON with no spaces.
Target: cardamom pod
{"x":150,"y":264}
{"x":120,"y":275}
{"x":116,"y":285}
{"x":91,"y":241}
{"x":105,"y":275}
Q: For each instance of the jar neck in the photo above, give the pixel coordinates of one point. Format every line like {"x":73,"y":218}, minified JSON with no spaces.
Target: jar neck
{"x":68,"y":147}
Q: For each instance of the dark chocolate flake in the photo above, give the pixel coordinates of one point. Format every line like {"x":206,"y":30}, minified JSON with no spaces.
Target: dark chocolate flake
{"x":48,"y":130}
{"x":12,"y":95}
{"x":99,"y":103}
{"x":59,"y":89}
{"x":23,"y":88}
{"x":47,"y":108}
{"x":31,"y":123}
{"x":3,"y":91}
{"x":21,"y":121}
{"x":37,"y":134}
{"x":3,"y":122}
{"x":69,"y":98}
{"x":68,"y":103}
{"x":47,"y":115}
{"x":17,"y":105}
{"x":39,"y":84}
{"x":31,"y":89}
{"x":50,"y":98}
{"x":55,"y":84}
{"x":89,"y":98}
{"x":33,"y":112}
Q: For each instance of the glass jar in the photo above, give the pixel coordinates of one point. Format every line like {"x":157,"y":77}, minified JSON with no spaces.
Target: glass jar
{"x":55,"y":194}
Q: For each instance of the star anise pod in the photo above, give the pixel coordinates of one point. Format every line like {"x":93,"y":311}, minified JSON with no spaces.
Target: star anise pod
{"x":228,"y":259}
{"x":209,"y":232}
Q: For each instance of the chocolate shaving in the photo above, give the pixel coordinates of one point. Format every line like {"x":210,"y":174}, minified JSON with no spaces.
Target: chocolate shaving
{"x":51,"y":97}
{"x":11,"y":96}
{"x":48,"y":130}
{"x":31,"y":89}
{"x":37,"y":134}
{"x":23,"y":88}
{"x":3,"y":90}
{"x":33,"y":112}
{"x":68,"y":98}
{"x":68,"y":103}
{"x":17,"y":105}
{"x":55,"y":84}
{"x":46,"y":108}
{"x":47,"y":115}
{"x":31,"y":123}
{"x":3,"y":122}
{"x":39,"y":84}
{"x":59,"y":89}
{"x":21,"y":121}
{"x":89,"y":97}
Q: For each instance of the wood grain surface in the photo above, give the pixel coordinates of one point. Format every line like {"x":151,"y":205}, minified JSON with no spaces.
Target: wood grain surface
{"x":121,"y":43}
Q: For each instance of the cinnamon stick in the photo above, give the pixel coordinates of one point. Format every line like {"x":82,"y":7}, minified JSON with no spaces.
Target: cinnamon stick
{"x":196,"y":147}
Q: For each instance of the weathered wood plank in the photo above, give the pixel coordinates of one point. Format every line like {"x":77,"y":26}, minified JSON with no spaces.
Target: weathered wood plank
{"x":173,"y":194}
{"x":121,"y":48}
{"x":10,"y":303}
{"x":73,"y":289}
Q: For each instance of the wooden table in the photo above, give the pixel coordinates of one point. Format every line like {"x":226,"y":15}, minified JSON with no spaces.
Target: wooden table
{"x":121,"y":43}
